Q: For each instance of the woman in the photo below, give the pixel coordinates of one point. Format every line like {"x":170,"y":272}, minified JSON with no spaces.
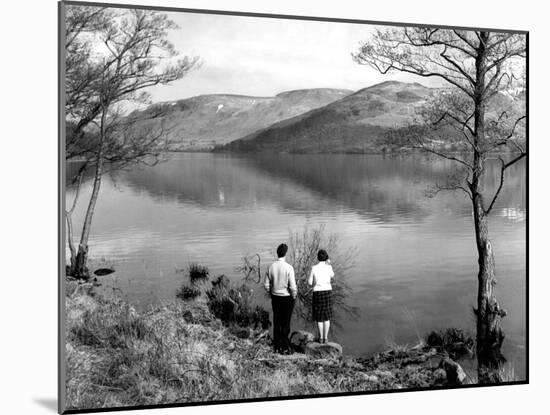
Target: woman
{"x":320,"y":277}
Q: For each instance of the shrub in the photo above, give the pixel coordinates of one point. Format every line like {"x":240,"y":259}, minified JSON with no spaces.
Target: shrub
{"x":187,"y":292}
{"x":234,"y":305}
{"x":302,"y":255}
{"x":251,"y":268}
{"x":198,"y":273}
{"x":456,"y":342}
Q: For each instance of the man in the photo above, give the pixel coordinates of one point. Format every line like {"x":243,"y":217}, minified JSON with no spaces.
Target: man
{"x":280,"y":283}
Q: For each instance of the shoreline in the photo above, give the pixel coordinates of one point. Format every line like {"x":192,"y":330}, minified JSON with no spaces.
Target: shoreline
{"x":181,"y":353}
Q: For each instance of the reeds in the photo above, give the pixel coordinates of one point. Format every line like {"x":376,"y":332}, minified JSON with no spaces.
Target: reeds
{"x":234,"y":305}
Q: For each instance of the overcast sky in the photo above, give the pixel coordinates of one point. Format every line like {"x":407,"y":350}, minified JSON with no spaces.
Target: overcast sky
{"x":265,"y":56}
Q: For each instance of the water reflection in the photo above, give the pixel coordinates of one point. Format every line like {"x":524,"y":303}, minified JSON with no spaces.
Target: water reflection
{"x":382,"y":188}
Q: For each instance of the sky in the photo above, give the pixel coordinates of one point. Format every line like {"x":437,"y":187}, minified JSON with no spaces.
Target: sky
{"x":265,"y":56}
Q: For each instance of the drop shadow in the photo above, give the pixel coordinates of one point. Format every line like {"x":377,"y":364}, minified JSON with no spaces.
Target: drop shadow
{"x":48,"y":403}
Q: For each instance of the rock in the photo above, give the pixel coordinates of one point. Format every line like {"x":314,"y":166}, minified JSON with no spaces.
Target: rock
{"x":299,"y":340}
{"x":383,"y":373}
{"x":231,"y":347}
{"x":440,"y":375}
{"x":188,"y":316}
{"x":351,"y":363}
{"x":323,"y":350}
{"x":240,"y":332}
{"x":369,"y":378}
{"x":455,"y":373}
{"x":100,"y":272}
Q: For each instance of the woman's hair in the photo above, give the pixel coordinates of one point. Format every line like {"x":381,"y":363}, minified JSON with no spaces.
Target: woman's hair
{"x":322,"y":255}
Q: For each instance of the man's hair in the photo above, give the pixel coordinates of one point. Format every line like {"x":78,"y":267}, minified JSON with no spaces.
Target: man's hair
{"x":281,"y":250}
{"x":322,"y":255}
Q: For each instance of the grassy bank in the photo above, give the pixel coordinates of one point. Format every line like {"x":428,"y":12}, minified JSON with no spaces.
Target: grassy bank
{"x":180,"y":352}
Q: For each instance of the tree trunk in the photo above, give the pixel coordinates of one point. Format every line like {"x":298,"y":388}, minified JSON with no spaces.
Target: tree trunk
{"x":488,"y":313}
{"x":80,"y":269}
{"x":71,"y":268}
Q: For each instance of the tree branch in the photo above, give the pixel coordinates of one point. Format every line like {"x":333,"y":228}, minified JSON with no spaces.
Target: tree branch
{"x":503,"y":168}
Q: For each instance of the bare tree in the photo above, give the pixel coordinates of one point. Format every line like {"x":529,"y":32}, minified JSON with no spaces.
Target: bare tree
{"x":112,"y":57}
{"x":481,"y":70}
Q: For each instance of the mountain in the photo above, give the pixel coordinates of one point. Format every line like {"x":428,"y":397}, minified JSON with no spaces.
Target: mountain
{"x":205,"y":121}
{"x":351,"y":124}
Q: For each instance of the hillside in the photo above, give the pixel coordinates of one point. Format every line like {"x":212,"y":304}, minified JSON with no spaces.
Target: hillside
{"x":351,"y":124}
{"x":357,"y":123}
{"x":204,"y":121}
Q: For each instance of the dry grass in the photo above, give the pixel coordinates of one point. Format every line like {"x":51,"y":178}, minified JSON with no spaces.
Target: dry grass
{"x":175,"y":353}
{"x":180,"y":352}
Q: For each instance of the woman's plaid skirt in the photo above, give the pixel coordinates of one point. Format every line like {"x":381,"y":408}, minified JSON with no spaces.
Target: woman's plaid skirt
{"x":322,"y":305}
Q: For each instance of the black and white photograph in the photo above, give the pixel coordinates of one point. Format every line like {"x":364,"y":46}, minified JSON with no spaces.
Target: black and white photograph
{"x":258,"y":207}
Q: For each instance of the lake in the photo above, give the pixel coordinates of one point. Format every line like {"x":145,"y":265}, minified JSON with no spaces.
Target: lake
{"x":416,"y":263}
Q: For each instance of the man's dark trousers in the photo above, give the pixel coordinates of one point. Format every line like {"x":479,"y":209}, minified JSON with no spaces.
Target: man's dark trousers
{"x":282,"y":313}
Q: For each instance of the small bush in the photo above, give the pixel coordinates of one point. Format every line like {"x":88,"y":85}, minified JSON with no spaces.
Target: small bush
{"x":198,"y":273}
{"x":187,"y":293}
{"x":234,"y":305}
{"x":456,"y":342}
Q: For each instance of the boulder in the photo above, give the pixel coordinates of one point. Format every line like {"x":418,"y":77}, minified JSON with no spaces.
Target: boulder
{"x":299,"y":340}
{"x":455,"y":373}
{"x":323,"y":350}
{"x":440,"y":375}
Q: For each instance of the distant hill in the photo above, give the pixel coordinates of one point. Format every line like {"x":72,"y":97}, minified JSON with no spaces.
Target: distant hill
{"x":204,"y":121}
{"x":359,"y":122}
{"x":351,"y":124}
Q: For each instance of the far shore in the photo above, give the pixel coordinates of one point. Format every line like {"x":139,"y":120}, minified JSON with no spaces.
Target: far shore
{"x":401,"y":152}
{"x":381,"y":152}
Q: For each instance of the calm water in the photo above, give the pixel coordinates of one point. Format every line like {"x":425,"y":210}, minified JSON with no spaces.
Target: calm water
{"x":416,"y":264}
